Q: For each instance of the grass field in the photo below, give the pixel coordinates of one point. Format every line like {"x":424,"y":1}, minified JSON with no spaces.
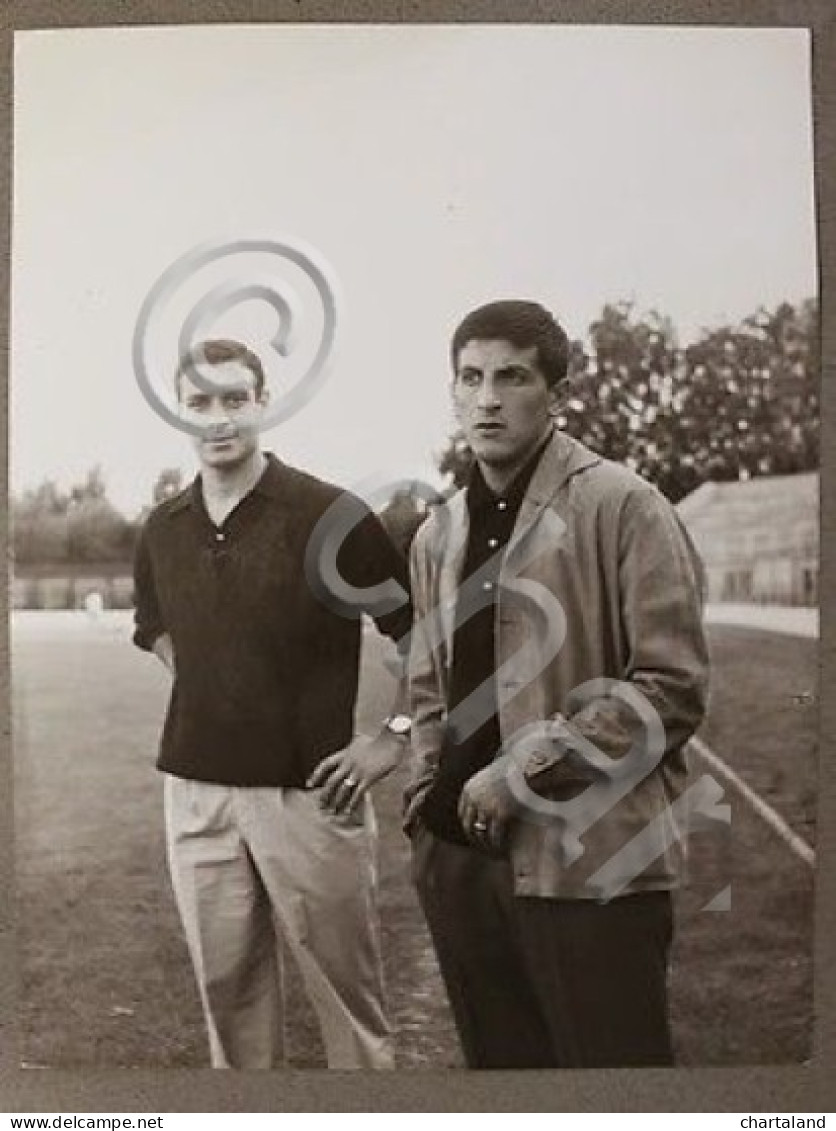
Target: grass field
{"x":105,"y":978}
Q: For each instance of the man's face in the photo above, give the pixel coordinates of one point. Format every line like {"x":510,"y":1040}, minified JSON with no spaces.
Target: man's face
{"x":228,"y":414}
{"x":502,"y":402}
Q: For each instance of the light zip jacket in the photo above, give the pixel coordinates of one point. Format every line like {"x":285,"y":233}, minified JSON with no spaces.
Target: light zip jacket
{"x":601,"y":675}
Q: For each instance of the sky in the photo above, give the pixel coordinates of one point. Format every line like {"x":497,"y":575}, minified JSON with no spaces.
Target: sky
{"x":430,"y":169}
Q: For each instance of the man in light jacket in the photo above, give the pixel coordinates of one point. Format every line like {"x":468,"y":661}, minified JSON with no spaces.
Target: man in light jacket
{"x":558,"y":667}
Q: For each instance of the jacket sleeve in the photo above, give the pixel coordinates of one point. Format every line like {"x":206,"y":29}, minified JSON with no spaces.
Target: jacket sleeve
{"x":148,"y":622}
{"x":661,"y":699}
{"x":425,"y":686}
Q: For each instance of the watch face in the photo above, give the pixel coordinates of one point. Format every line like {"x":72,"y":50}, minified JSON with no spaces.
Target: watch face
{"x":399,"y":724}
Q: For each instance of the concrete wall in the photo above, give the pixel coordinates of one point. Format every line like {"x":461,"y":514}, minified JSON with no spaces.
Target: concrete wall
{"x":61,"y":592}
{"x":759,"y":540}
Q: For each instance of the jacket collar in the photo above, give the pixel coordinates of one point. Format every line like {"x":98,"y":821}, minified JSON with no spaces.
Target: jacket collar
{"x":562,"y":458}
{"x":480,"y":497}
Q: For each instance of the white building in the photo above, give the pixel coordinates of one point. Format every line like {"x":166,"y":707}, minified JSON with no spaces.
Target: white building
{"x":759,"y":538}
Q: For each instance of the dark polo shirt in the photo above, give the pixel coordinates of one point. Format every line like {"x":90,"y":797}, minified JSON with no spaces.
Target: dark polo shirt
{"x":266,"y":660}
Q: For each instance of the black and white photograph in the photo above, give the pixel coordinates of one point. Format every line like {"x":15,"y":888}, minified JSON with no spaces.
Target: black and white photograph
{"x":414,"y":536}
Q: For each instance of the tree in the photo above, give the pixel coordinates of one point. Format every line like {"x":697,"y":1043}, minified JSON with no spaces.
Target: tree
{"x":456,"y":460}
{"x":93,"y":488}
{"x":627,"y":401}
{"x":97,"y":531}
{"x":403,"y":514}
{"x":169,"y":483}
{"x":39,"y":524}
{"x":753,"y":404}
{"x":81,"y":526}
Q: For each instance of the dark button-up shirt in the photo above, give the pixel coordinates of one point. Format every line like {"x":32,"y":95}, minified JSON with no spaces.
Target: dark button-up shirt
{"x":266,"y":655}
{"x":470,"y":744}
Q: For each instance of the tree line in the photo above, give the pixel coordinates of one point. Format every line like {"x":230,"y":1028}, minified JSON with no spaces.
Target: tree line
{"x":741,"y":401}
{"x":53,"y":527}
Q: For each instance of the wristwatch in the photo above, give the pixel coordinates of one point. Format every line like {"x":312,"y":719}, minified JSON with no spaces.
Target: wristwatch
{"x":399,"y":725}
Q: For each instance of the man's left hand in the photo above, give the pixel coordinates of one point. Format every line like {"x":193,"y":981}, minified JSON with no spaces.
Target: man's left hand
{"x":346,"y":776}
{"x":487,"y":806}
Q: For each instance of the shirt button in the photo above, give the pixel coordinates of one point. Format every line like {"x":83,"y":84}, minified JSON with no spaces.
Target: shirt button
{"x":493,"y":543}
{"x":219,"y":537}
{"x":487,"y":586}
{"x":501,"y":505}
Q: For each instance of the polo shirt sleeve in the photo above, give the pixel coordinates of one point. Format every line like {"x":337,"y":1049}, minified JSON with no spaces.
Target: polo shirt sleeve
{"x":148,"y":623}
{"x":371,"y":562}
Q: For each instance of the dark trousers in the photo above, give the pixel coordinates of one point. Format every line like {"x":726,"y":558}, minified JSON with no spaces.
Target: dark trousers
{"x":545,"y":983}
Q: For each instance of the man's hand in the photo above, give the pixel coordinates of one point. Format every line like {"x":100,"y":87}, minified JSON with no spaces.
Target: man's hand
{"x":487,"y":806}
{"x":346,"y":776}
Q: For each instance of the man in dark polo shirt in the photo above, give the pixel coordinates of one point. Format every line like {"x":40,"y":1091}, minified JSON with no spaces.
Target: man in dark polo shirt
{"x":269,"y":825}
{"x":557,"y":669}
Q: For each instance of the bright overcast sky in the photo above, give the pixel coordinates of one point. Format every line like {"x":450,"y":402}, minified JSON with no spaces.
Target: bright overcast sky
{"x":433,"y":168}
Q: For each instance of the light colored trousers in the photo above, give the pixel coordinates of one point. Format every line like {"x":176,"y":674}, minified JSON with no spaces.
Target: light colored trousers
{"x":251,"y":866}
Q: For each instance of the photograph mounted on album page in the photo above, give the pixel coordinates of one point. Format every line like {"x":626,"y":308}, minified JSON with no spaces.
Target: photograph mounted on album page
{"x":415,"y":546}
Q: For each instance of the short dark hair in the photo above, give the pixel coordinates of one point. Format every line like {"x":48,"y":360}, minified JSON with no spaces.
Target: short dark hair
{"x":523,"y":324}
{"x":219,"y":352}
